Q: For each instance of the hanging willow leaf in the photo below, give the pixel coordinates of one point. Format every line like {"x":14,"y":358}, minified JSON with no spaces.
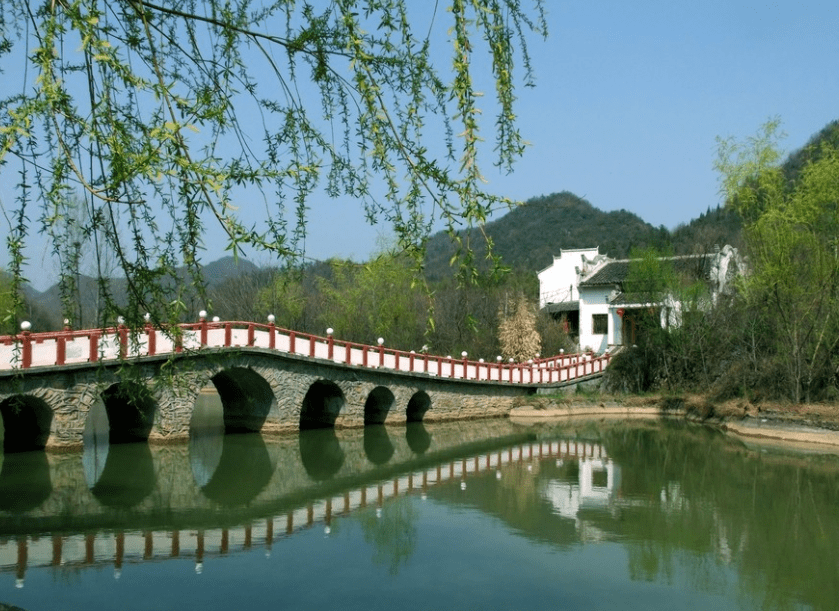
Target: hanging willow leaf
{"x":136,"y":127}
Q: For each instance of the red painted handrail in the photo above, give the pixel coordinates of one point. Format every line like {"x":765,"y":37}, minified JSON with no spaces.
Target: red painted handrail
{"x":27,"y":349}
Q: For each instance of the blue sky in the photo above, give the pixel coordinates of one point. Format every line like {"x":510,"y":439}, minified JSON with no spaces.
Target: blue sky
{"x":631,"y":97}
{"x":629,"y":101}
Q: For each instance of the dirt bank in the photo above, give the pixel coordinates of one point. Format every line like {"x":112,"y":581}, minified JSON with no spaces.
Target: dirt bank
{"x":807,"y":425}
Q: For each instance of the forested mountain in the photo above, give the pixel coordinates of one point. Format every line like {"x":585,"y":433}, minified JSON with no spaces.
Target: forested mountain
{"x":527,"y":238}
{"x":44,"y":309}
{"x":715,"y":227}
{"x":530,"y":235}
{"x":813,"y":150}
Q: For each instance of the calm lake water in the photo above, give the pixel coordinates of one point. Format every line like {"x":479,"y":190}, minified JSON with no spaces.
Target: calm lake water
{"x":481,"y":515}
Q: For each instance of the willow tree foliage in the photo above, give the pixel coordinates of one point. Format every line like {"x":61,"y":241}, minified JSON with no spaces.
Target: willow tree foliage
{"x":171,"y":120}
{"x":7,"y":305}
{"x":376,"y":299}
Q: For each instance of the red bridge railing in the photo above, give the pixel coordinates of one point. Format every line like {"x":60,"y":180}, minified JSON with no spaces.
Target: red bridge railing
{"x":26,"y":350}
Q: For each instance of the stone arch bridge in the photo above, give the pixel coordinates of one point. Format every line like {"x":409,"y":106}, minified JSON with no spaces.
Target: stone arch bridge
{"x":268,"y":379}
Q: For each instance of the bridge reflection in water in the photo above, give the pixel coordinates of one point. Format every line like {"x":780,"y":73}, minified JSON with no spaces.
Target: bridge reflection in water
{"x":466,"y":515}
{"x":268,"y":490}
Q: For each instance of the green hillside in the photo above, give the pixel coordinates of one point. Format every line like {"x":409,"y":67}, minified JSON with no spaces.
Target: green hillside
{"x":45,"y":308}
{"x":530,"y":235}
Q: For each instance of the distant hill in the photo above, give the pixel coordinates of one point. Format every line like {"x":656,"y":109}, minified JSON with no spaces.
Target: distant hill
{"x":715,"y":227}
{"x":811,"y":151}
{"x":530,"y":235}
{"x":48,"y":303}
{"x":527,"y":238}
{"x":225,"y":268}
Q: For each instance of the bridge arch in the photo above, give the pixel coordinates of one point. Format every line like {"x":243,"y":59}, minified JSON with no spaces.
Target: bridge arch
{"x":259,"y":391}
{"x":246,"y":397}
{"x":378,"y":404}
{"x":26,"y":423}
{"x":321,"y":405}
{"x":131,"y":409}
{"x":418,"y":405}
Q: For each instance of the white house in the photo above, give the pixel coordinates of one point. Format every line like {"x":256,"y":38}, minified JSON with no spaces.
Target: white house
{"x":585,"y":290}
{"x":559,"y":284}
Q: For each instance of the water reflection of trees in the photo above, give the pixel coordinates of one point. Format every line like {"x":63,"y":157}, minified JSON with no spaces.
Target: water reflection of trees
{"x":771,"y":517}
{"x":392,"y":532}
{"x":691,"y":503}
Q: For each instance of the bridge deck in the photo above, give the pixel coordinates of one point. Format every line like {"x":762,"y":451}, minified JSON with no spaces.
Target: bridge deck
{"x":57,"y":349}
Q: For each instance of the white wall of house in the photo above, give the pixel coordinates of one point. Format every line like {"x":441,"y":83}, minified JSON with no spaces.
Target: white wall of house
{"x":558,"y":282}
{"x":595,"y":301}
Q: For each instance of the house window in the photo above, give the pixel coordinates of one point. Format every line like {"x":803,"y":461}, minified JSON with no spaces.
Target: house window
{"x":599,"y":324}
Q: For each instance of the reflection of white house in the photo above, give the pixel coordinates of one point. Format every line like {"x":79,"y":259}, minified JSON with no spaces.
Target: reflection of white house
{"x":584,"y":289}
{"x":597,"y":483}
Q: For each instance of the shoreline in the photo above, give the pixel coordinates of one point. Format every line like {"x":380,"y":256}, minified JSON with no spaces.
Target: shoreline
{"x":778,"y":425}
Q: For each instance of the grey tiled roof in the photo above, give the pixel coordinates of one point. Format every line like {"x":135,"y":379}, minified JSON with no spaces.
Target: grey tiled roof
{"x":615,"y":272}
{"x":565,"y":306}
{"x":631,"y":299}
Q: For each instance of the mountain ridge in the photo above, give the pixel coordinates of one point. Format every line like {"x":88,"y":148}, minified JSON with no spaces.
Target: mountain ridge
{"x":528,"y":237}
